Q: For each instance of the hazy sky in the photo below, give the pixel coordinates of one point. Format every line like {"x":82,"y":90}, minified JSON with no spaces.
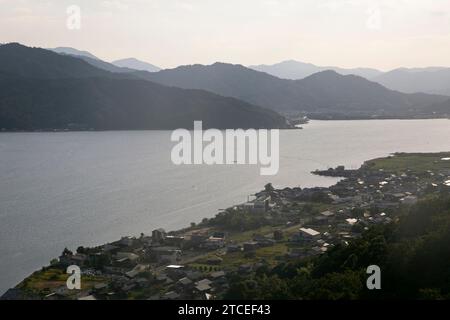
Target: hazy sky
{"x":347,"y":33}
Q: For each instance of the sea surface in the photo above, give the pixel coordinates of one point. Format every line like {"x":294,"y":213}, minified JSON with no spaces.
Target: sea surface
{"x":71,"y":189}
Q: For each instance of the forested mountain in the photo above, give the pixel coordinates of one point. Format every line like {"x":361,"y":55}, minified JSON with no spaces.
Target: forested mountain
{"x":325,"y":94}
{"x":43,"y":90}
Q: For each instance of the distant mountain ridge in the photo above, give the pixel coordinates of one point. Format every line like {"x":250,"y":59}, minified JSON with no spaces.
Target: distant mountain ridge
{"x":296,"y":70}
{"x":43,"y":90}
{"x":326,"y":94}
{"x":232,"y":81}
{"x":21,"y":61}
{"x":74,"y":52}
{"x":133,"y":63}
{"x":432,"y":80}
{"x":122,"y":65}
{"x":100,"y":64}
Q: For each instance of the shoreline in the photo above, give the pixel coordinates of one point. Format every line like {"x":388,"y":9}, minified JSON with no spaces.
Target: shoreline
{"x":294,"y":127}
{"x":206,"y":223}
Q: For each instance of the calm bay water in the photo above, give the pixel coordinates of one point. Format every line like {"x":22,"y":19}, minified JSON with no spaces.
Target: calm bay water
{"x":86,"y":188}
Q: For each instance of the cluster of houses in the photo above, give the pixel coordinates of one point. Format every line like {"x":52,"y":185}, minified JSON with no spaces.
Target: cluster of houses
{"x":182,"y":283}
{"x":132,"y":264}
{"x":160,"y":256}
{"x":375,"y":193}
{"x":158,"y":266}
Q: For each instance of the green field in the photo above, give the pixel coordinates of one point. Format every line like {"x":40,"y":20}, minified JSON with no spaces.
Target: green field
{"x":419,"y":163}
{"x":42,"y":282}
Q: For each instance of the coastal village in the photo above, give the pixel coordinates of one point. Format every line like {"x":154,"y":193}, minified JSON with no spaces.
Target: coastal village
{"x":275,"y":225}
